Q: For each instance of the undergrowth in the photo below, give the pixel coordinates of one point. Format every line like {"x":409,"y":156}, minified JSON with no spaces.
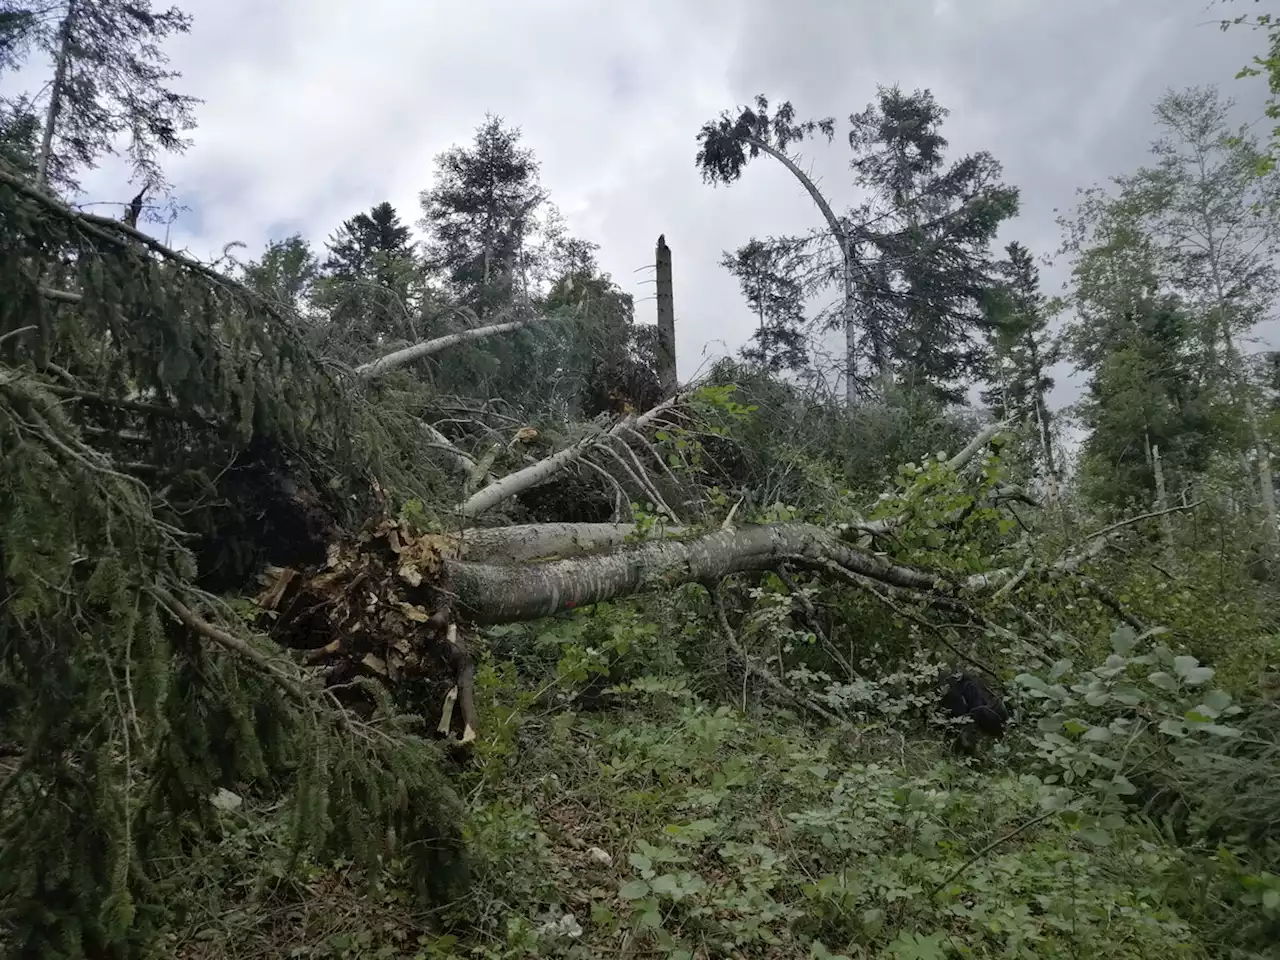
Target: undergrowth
{"x":658,"y":822}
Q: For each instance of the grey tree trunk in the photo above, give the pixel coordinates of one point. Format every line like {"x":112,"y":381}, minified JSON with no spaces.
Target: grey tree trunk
{"x":666,"y":321}
{"x":55,"y":96}
{"x":497,"y":593}
{"x":1162,"y":500}
{"x":848,"y":313}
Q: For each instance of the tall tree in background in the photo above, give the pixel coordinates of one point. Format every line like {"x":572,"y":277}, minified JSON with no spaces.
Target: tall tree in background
{"x":769,"y":285}
{"x":481,"y":217}
{"x":1214,"y":219}
{"x":369,"y":276}
{"x":930,"y":226}
{"x":1021,"y":349}
{"x":1151,"y":415}
{"x":285,"y":273}
{"x":109,"y":81}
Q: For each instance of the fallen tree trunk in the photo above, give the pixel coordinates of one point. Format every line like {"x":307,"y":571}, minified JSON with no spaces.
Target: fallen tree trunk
{"x":494,"y":593}
{"x":537,"y":473}
{"x":520,"y":543}
{"x":376,"y":368}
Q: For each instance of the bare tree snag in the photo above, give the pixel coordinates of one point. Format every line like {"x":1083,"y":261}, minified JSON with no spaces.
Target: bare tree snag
{"x":666,"y":321}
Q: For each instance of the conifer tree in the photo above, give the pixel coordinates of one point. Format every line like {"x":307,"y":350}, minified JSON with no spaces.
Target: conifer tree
{"x":108,"y":80}
{"x":774,"y":294}
{"x":480,"y":217}
{"x":371,"y":279}
{"x":1021,"y":350}
{"x":928,"y":226}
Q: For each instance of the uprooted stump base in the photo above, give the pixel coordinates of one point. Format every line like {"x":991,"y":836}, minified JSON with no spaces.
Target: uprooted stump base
{"x":378,"y":609}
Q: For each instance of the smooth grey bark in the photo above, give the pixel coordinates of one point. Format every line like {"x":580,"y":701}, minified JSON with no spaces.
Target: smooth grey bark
{"x":848,"y":318}
{"x":520,"y":543}
{"x":494,"y":593}
{"x":398,"y":358}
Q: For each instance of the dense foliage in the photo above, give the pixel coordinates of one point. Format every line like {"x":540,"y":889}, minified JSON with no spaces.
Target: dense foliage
{"x":279,"y":538}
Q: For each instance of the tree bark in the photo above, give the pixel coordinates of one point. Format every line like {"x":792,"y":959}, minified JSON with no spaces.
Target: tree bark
{"x":520,"y":543}
{"x":55,"y":96}
{"x":516,"y":483}
{"x":848,"y":313}
{"x":398,"y":358}
{"x":495,"y":593}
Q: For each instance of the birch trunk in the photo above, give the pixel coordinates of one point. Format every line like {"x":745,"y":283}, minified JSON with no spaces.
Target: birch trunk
{"x":516,"y":483}
{"x":375,"y":368}
{"x":848,"y":317}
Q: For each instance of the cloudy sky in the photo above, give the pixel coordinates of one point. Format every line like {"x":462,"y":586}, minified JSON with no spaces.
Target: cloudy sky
{"x":317,"y":109}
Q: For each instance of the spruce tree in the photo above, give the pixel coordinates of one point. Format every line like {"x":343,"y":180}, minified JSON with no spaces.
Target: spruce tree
{"x":1021,"y":351}
{"x":774,"y":294}
{"x":108,"y":82}
{"x":370,"y":280}
{"x":480,"y":218}
{"x":928,"y":228}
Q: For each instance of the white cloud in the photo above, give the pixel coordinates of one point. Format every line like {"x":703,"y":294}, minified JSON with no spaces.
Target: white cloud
{"x":316,"y":109}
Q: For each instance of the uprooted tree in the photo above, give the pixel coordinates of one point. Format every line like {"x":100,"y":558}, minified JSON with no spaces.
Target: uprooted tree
{"x":169,"y":439}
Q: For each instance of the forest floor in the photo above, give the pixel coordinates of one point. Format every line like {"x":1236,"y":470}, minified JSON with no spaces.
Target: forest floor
{"x":672,"y":827}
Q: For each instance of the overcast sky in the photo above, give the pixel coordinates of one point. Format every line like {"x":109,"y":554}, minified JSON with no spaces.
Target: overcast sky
{"x":317,"y":109}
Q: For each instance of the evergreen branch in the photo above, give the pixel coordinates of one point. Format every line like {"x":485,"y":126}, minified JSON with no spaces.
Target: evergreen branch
{"x":231,"y":643}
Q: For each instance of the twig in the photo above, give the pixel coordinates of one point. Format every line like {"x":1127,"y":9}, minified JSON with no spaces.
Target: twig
{"x":229,"y":642}
{"x":750,"y":666}
{"x":988,"y":848}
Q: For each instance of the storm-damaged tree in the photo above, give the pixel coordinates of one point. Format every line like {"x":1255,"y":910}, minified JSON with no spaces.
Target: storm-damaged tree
{"x":109,"y":83}
{"x":769,"y":285}
{"x":729,"y":142}
{"x":927,"y":229}
{"x":1021,"y":351}
{"x":190,"y":421}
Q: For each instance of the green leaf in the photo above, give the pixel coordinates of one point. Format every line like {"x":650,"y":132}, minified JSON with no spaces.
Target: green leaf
{"x":1217,"y":700}
{"x":667,"y":886}
{"x":1097,"y":836}
{"x":1198,"y":676}
{"x":1218,"y":730}
{"x":1173,"y":728}
{"x":1163,"y":680}
{"x":1030,"y":681}
{"x":1123,"y":639}
{"x":634,"y":890}
{"x":1059,"y":670}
